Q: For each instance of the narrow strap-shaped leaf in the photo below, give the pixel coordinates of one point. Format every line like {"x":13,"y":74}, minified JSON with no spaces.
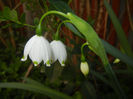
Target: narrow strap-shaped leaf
{"x":88,"y":90}
{"x":99,"y":76}
{"x":31,"y":81}
{"x":120,"y":33}
{"x":34,"y":88}
{"x":116,"y":53}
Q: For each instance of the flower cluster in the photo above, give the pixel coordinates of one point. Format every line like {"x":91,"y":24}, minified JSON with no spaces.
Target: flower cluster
{"x":39,"y":49}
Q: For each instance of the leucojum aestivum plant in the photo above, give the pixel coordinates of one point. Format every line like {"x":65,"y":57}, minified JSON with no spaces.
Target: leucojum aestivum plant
{"x":39,"y":49}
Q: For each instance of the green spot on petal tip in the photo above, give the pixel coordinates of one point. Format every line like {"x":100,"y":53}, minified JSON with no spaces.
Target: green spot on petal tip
{"x":23,"y":57}
{"x":48,"y":63}
{"x":35,"y":63}
{"x":63,"y":63}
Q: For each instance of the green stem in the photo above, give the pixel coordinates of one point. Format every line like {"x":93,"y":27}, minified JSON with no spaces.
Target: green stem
{"x":31,"y":26}
{"x":52,"y":12}
{"x":39,"y":29}
{"x":82,"y":51}
{"x":58,"y":28}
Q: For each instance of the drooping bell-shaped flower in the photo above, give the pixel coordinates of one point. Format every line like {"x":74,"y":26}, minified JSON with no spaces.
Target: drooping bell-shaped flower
{"x":59,"y":51}
{"x":84,"y":67}
{"x":38,"y":49}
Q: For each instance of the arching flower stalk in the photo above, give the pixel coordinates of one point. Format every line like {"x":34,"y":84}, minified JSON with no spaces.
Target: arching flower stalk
{"x":84,"y":67}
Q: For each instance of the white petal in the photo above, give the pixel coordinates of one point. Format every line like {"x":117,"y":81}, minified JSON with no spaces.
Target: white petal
{"x":62,"y":54}
{"x":47,"y":56}
{"x":54,"y":50}
{"x":36,"y":53}
{"x":28,"y":47}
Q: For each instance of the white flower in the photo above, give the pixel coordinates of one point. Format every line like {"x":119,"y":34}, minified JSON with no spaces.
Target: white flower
{"x":59,"y":52}
{"x":38,"y":49}
{"x":84,"y":68}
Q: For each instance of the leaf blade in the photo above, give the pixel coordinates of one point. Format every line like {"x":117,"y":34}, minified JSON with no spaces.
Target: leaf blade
{"x":120,"y":33}
{"x":30,"y":87}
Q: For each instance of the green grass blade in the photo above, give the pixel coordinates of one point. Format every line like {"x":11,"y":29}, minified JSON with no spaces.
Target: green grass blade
{"x":31,"y":81}
{"x":89,"y":90}
{"x":61,"y":6}
{"x":34,"y":88}
{"x":74,"y":30}
{"x":100,"y":77}
{"x":118,"y":54}
{"x":120,"y":33}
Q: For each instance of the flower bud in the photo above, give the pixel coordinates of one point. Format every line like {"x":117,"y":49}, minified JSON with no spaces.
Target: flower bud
{"x":84,"y":67}
{"x":116,"y":61}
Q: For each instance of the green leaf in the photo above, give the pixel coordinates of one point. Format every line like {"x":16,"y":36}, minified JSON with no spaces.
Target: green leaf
{"x":120,"y":33}
{"x":99,"y":76}
{"x":13,"y":16}
{"x":90,"y":35}
{"x":30,"y":81}
{"x":22,"y":18}
{"x":88,"y":90}
{"x":117,"y":54}
{"x":6,"y":13}
{"x":110,"y":83}
{"x":38,"y":89}
{"x":73,"y":29}
{"x":61,"y":6}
